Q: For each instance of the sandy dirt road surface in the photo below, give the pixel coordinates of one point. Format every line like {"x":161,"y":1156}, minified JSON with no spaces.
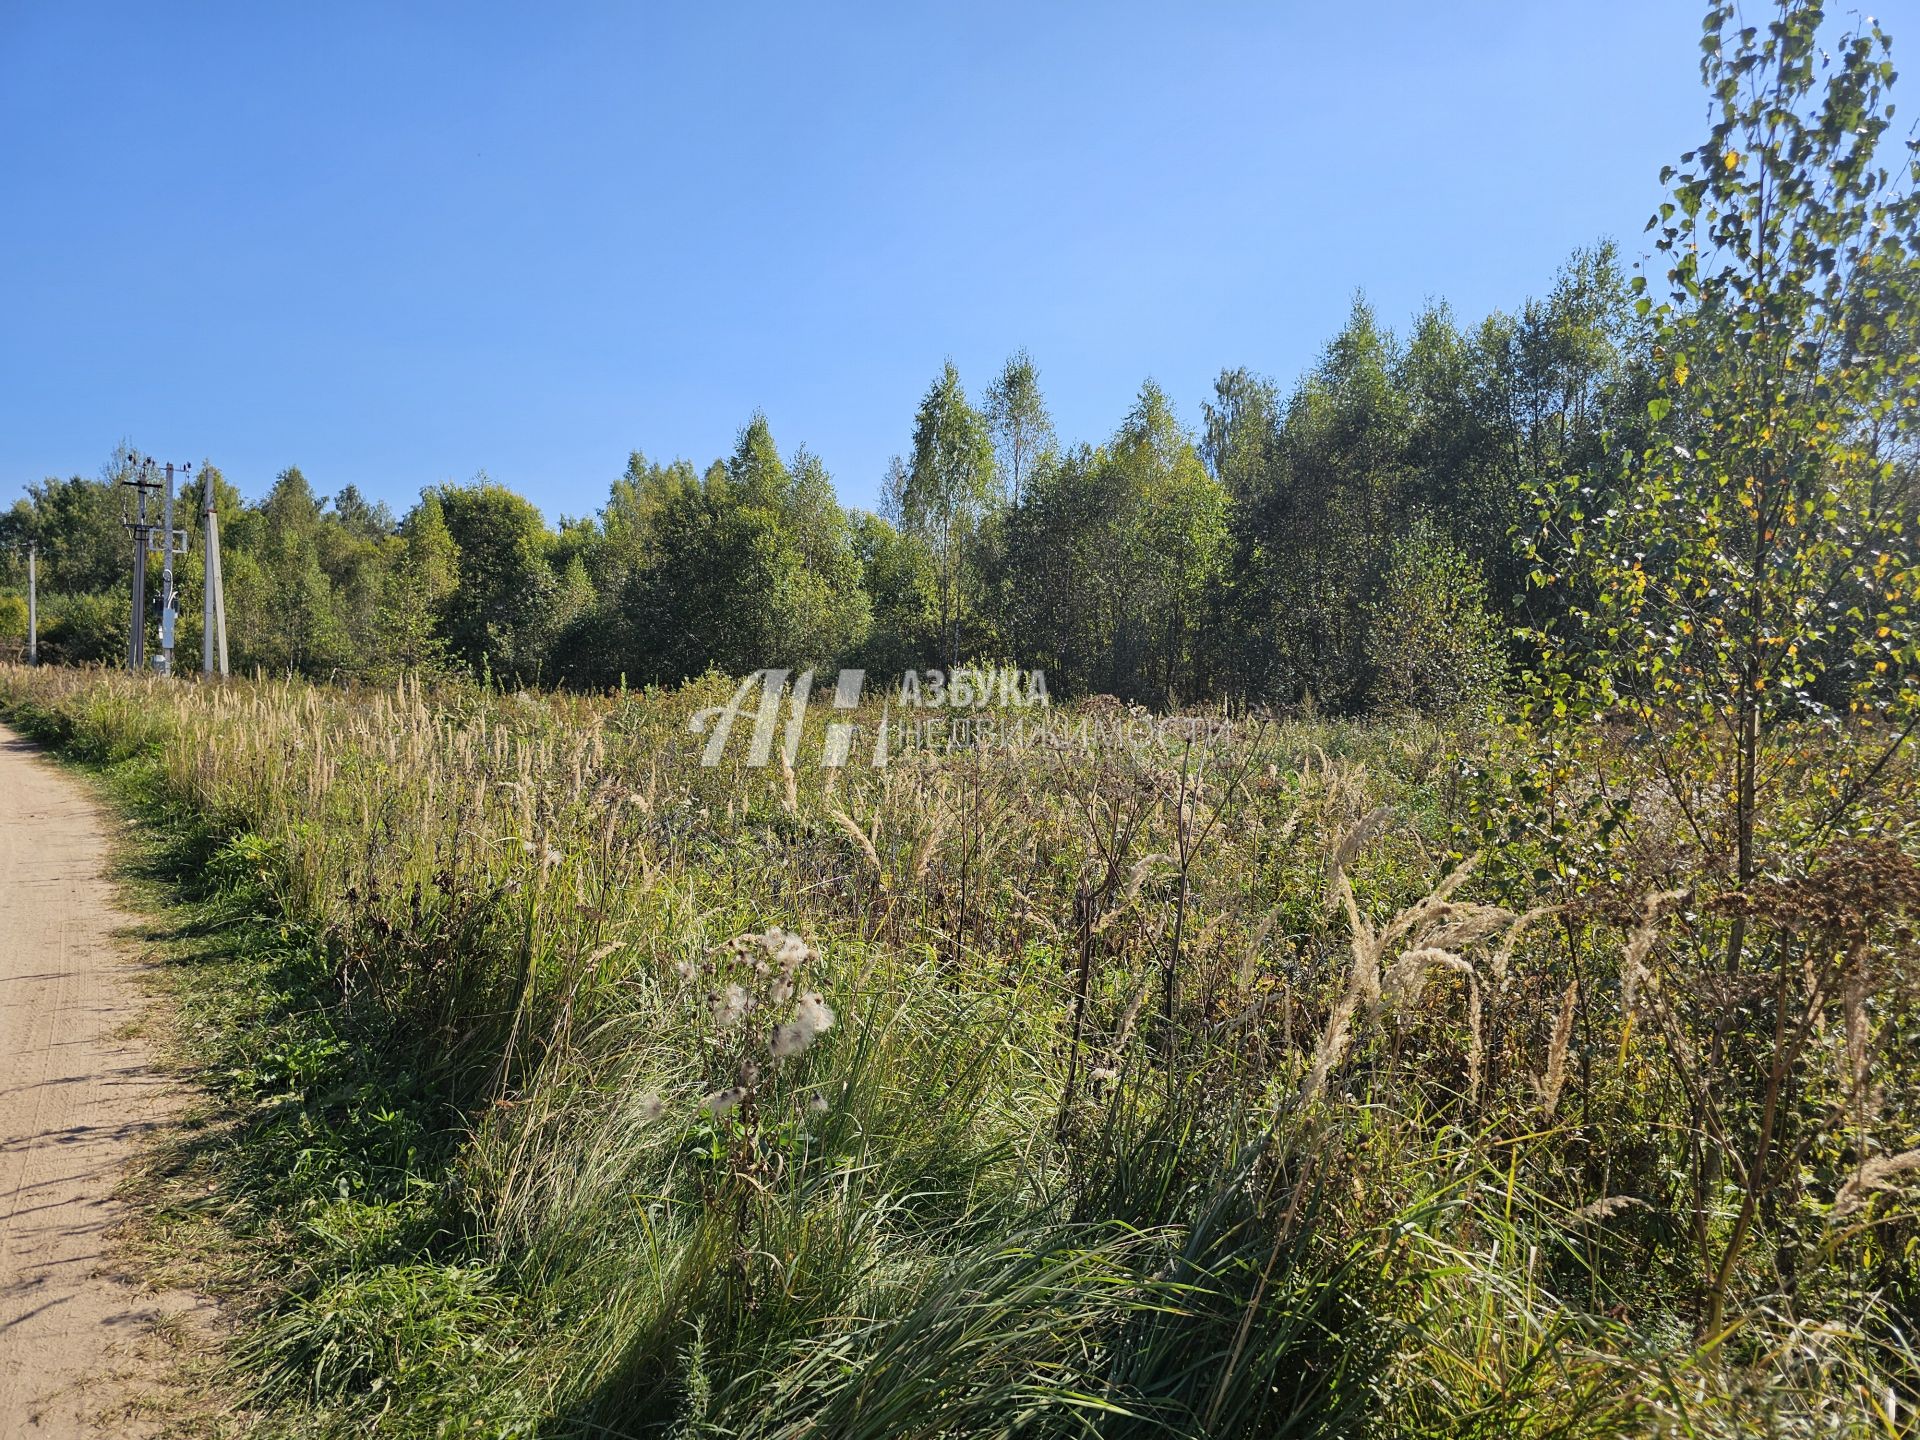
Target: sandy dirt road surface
{"x":79,"y":1348}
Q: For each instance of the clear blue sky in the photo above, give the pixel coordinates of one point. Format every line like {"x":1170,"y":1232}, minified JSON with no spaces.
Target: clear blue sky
{"x":399,"y":244}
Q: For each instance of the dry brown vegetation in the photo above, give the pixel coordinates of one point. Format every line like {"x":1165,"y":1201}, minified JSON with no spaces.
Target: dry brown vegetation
{"x":1242,"y":1085}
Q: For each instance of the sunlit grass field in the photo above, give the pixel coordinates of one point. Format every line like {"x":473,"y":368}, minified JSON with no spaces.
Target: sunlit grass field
{"x":1217,"y":1075}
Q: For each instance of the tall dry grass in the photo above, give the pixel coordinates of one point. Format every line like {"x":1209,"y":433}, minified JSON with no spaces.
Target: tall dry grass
{"x":1176,"y":1088}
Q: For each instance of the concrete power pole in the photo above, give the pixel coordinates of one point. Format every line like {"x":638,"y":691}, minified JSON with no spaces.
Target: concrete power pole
{"x":171,"y":543}
{"x":213,"y":632}
{"x":33,"y":603}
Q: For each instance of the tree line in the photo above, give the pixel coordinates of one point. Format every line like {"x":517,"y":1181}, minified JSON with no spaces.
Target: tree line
{"x":1356,"y":541}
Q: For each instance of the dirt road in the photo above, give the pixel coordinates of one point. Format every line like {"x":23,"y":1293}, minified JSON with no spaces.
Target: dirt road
{"x":76,"y":1096}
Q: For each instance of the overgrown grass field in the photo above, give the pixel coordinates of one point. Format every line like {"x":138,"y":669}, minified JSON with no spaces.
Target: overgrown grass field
{"x":1250,"y":1078}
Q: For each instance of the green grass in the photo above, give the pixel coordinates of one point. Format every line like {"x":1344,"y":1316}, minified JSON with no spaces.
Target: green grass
{"x":453,"y":973}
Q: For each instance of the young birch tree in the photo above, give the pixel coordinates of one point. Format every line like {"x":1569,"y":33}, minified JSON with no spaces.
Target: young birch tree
{"x":945,"y":490}
{"x":1742,"y":590}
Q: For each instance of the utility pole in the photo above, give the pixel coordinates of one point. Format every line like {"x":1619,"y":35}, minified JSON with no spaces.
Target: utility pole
{"x":213,"y":631}
{"x":145,"y":525}
{"x":172,"y":542}
{"x":142,"y":482}
{"x":33,"y":602}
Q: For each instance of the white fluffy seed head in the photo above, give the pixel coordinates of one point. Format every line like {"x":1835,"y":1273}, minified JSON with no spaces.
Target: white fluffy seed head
{"x":812,"y":1017}
{"x":814,"y":1013}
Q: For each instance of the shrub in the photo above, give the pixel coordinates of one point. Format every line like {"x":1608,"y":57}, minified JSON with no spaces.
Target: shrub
{"x":13,"y":620}
{"x":1432,"y":645}
{"x":84,"y":629}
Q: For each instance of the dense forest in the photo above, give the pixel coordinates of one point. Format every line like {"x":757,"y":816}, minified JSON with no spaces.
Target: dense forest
{"x":1358,"y":539}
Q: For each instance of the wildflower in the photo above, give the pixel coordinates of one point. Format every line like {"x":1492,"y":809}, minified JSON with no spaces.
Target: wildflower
{"x":721,"y":1101}
{"x":1105,"y":1073}
{"x":649,"y":1107}
{"x":729,"y":1007}
{"x":818,"y":1105}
